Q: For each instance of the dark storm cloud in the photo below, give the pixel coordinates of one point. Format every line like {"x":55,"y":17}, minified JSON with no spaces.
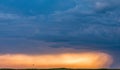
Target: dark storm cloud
{"x":93,"y":22}
{"x":96,"y":25}
{"x":81,"y":24}
{"x":88,"y":22}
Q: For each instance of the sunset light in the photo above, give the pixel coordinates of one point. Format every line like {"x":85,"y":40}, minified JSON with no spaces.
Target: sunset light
{"x":66,"y":60}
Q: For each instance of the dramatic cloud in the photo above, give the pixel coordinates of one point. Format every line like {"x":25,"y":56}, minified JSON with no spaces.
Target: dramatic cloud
{"x":87,"y":22}
{"x":67,"y":60}
{"x":60,"y":26}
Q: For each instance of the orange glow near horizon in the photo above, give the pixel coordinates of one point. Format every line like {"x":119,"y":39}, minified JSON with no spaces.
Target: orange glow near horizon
{"x":66,"y":60}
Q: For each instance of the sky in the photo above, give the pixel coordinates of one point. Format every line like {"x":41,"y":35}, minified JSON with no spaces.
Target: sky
{"x":32,"y":32}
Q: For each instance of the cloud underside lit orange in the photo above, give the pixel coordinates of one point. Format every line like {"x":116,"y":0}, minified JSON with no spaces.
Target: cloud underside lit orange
{"x":66,"y":60}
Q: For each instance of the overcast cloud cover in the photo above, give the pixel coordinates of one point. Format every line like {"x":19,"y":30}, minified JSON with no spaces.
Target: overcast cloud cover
{"x":54,"y":26}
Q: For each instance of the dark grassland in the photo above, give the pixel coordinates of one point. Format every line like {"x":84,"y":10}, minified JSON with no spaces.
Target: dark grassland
{"x":59,"y":69}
